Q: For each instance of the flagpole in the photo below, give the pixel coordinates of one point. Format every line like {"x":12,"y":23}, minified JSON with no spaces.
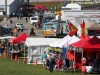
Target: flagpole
{"x":74,"y":61}
{"x":83,"y":24}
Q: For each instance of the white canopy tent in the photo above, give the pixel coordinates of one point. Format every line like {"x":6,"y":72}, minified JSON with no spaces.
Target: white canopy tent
{"x":61,"y":41}
{"x":64,"y":42}
{"x":72,"y":40}
{"x":73,"y":6}
{"x":7,"y":37}
{"x":36,"y":47}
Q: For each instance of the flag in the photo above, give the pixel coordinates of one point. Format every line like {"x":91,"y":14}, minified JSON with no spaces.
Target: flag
{"x":65,"y":3}
{"x":83,"y":29}
{"x":67,"y":27}
{"x":71,"y":29}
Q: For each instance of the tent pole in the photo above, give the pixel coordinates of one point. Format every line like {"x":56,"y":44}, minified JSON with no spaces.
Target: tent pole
{"x":28,"y":54}
{"x":12,"y":48}
{"x":24,"y":50}
{"x":82,"y":58}
{"x":74,"y":61}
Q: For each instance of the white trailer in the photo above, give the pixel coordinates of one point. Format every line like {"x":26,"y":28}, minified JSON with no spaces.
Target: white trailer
{"x":76,"y":17}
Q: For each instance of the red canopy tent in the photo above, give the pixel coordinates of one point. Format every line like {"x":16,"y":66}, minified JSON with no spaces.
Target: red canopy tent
{"x":81,"y":42}
{"x":92,"y":45}
{"x":20,"y":39}
{"x":40,"y":6}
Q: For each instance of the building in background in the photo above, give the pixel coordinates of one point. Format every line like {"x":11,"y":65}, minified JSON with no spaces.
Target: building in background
{"x":12,"y":6}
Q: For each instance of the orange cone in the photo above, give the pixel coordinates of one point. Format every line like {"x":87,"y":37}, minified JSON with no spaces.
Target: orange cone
{"x":35,"y":63}
{"x":24,"y":61}
{"x":16,"y":57}
{"x":11,"y":56}
{"x":4,"y":54}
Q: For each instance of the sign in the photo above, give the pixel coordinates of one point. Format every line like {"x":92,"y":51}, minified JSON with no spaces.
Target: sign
{"x":55,"y":49}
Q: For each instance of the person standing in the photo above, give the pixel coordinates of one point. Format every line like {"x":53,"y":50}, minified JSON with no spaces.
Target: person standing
{"x":98,"y":64}
{"x":13,"y":14}
{"x":15,"y":31}
{"x":44,"y":57}
{"x":10,"y":21}
{"x":51,"y":62}
{"x":26,"y":20}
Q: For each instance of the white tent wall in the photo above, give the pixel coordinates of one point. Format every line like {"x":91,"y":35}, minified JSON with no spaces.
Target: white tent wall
{"x":36,"y":47}
{"x":35,"y":52}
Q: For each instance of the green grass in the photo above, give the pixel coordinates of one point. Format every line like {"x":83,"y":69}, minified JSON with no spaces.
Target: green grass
{"x":12,"y":67}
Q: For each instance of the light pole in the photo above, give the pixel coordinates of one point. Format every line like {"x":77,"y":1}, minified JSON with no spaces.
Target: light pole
{"x":5,"y":10}
{"x":84,"y":4}
{"x":36,"y":2}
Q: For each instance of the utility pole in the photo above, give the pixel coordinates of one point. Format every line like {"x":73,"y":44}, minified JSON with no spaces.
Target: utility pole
{"x":37,"y":3}
{"x":5,"y":10}
{"x":84,"y":4}
{"x":28,"y":4}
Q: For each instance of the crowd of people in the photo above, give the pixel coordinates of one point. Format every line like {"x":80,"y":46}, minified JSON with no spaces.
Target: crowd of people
{"x":55,"y":61}
{"x":90,"y":65}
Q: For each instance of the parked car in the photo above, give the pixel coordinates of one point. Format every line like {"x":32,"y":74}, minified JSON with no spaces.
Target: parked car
{"x":9,"y":28}
{"x":34,"y":19}
{"x":20,"y":26}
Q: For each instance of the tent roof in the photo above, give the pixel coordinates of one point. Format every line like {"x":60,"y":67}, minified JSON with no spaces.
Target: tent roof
{"x":93,"y":26}
{"x":92,"y":44}
{"x":7,"y":37}
{"x":20,"y":39}
{"x":60,"y":43}
{"x":2,"y":2}
{"x":40,"y":41}
{"x":73,"y":5}
{"x":73,"y":39}
{"x":80,"y":42}
{"x":89,"y":44}
{"x":40,"y":6}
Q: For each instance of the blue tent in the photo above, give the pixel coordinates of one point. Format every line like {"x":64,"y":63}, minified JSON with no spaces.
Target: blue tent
{"x":64,"y":52}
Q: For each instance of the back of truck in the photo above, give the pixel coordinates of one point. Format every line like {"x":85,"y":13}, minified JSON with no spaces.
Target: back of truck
{"x":49,"y":29}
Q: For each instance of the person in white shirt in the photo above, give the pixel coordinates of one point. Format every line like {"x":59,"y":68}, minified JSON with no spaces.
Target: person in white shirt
{"x":48,"y":55}
{"x":89,"y":69}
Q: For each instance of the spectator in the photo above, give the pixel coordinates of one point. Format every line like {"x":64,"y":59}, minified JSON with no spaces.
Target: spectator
{"x":15,"y":32}
{"x":98,"y":64}
{"x":13,"y":14}
{"x":47,"y":64}
{"x":89,"y":68}
{"x":51,"y":63}
{"x":67,"y":63}
{"x":26,"y":20}
{"x":10,"y":21}
{"x":44,"y":57}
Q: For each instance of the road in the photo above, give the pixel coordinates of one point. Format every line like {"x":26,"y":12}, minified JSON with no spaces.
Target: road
{"x":28,"y":26}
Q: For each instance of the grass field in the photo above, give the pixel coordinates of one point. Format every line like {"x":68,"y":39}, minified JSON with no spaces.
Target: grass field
{"x":12,"y":67}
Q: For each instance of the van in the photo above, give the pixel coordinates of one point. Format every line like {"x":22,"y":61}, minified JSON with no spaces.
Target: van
{"x":34,"y":19}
